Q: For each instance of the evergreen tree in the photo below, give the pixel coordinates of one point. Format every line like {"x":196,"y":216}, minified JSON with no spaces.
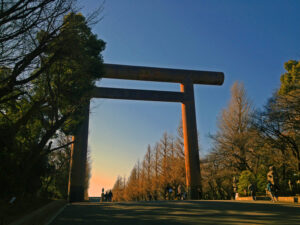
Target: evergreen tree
{"x":53,"y":102}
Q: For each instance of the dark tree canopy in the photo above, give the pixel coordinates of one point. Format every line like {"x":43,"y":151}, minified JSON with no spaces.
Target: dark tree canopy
{"x":49,"y":63}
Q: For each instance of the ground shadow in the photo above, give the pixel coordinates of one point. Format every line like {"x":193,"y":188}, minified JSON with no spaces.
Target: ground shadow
{"x":179,"y":212}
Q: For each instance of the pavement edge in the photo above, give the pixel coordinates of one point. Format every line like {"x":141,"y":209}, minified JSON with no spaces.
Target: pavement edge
{"x":44,"y":215}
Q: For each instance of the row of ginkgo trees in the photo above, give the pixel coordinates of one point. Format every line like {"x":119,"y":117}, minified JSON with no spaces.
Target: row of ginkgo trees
{"x":162,"y":167}
{"x":247,"y":142}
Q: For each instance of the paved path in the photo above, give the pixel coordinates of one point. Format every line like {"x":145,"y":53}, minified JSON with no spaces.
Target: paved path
{"x":179,"y":212}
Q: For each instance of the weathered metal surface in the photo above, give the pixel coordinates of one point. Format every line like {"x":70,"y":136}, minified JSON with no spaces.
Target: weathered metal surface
{"x":162,"y":74}
{"x":78,"y":163}
{"x":133,"y":94}
{"x":191,"y":151}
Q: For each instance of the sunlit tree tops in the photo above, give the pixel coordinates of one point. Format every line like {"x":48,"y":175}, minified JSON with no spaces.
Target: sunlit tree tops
{"x":291,"y":79}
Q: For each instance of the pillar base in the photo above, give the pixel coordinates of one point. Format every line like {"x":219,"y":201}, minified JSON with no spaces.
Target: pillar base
{"x":194,"y":193}
{"x":76,"y":194}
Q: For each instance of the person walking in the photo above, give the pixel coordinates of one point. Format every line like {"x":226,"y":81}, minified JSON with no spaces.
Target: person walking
{"x":179,"y":193}
{"x":170,"y":193}
{"x":110,"y":196}
{"x":102,"y":195}
{"x":270,"y":189}
{"x":252,"y":190}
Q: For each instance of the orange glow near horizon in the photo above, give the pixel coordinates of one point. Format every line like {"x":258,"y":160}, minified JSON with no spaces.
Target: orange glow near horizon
{"x":97,"y":182}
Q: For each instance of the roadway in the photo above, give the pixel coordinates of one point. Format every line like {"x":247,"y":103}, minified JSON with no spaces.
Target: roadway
{"x":179,"y":212}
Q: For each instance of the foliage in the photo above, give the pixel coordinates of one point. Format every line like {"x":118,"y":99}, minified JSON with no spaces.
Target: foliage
{"x":246,"y":178}
{"x":119,"y":189}
{"x":43,"y":93}
{"x":252,"y":141}
{"x":162,"y":167}
{"x":261,"y":180}
{"x":216,"y":177}
{"x":290,"y":80}
{"x":278,"y":125}
{"x":279,"y":122}
{"x":55,"y":181}
{"x":232,"y":138}
{"x":20,"y":23}
{"x":247,"y":142}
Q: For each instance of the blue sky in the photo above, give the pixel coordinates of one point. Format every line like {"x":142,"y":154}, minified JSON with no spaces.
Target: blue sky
{"x":247,"y":40}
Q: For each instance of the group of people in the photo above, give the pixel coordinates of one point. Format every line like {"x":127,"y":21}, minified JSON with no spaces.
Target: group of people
{"x":107,"y":196}
{"x":272,"y":187}
{"x":181,"y":194}
{"x":171,"y":193}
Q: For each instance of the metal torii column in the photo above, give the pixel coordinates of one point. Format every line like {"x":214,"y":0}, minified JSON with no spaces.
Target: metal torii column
{"x":187,"y":79}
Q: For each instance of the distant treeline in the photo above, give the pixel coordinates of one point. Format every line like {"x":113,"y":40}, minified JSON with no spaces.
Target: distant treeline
{"x":162,"y":166}
{"x":247,"y":142}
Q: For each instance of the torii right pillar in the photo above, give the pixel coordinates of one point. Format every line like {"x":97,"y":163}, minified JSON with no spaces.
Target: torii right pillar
{"x":190,"y":135}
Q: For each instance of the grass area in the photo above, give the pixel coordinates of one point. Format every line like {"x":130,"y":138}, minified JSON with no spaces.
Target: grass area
{"x":21,"y":207}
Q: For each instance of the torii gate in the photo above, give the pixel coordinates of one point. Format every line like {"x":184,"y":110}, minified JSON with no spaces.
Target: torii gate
{"x":187,"y":79}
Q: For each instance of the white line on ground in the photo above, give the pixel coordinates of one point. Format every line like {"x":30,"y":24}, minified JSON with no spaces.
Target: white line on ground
{"x":55,"y":215}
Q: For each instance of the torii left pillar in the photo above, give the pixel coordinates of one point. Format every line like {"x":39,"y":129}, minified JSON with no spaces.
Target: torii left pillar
{"x":77,"y":175}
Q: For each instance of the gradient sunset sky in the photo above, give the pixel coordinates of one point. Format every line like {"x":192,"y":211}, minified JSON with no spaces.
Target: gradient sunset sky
{"x":247,"y":40}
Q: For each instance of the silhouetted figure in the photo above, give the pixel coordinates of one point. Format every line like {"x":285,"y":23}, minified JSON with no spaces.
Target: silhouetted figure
{"x":271,"y":190}
{"x":106,"y":196}
{"x":102,"y":195}
{"x":170,"y":193}
{"x":199,"y":192}
{"x":235,"y":187}
{"x":110,"y":195}
{"x":292,"y":186}
{"x":252,"y":190}
{"x":155,"y":195}
{"x":167,"y":192}
{"x":149,"y":195}
{"x":272,"y":176}
{"x":179,"y":192}
{"x":273,"y":179}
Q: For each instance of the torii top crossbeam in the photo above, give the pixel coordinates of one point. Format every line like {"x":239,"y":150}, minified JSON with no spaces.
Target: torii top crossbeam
{"x":162,"y":74}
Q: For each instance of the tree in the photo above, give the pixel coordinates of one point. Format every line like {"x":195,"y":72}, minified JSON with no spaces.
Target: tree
{"x":234,"y":148}
{"x":279,"y":122}
{"x":118,"y":189}
{"x":165,"y":163}
{"x":278,"y":125}
{"x":232,"y":137}
{"x":131,"y":191}
{"x":217,"y":177}
{"x":147,"y":168}
{"x":290,"y":80}
{"x":162,"y":166}
{"x":20,"y":23}
{"x":246,"y":178}
{"x":179,"y":161}
{"x":156,"y":170}
{"x":55,"y":181}
{"x":53,"y":102}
